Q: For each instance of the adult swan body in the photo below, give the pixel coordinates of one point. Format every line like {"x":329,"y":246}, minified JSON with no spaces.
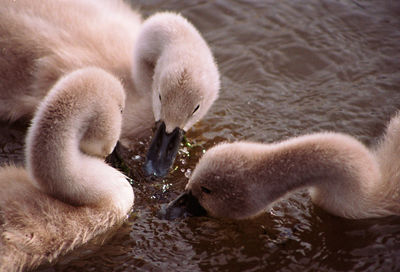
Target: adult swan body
{"x":68,"y":194}
{"x":240,"y":180}
{"x":167,"y":69}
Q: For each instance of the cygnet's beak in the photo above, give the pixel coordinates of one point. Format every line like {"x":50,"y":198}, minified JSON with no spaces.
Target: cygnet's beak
{"x":163,"y":150}
{"x":183,"y":206}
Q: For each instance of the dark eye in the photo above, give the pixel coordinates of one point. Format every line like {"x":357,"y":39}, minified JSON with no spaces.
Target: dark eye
{"x":205,"y":190}
{"x":159,"y":96}
{"x":197,"y":107}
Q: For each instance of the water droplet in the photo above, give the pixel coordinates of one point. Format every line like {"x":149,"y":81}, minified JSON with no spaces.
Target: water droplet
{"x":188,"y":173}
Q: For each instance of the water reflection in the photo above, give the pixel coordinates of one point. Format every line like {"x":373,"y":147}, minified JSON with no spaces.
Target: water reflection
{"x":288,"y":68}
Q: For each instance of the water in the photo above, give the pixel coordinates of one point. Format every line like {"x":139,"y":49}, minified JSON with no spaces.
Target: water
{"x":288,"y":68}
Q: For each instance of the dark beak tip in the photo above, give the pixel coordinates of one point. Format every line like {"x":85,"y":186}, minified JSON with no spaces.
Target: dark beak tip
{"x":162,"y":151}
{"x":162,"y":213}
{"x":185,"y":205}
{"x":150,"y":170}
{"x":170,"y":213}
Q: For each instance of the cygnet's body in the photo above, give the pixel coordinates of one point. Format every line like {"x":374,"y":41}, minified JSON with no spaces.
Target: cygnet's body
{"x":67,"y":195}
{"x":241,"y":180}
{"x":164,"y":64}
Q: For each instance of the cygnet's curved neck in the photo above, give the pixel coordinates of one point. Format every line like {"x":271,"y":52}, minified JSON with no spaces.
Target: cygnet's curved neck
{"x":164,"y":39}
{"x":81,"y":103}
{"x":340,"y":172}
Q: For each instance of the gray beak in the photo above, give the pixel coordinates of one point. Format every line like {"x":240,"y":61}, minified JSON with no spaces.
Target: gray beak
{"x":183,"y":206}
{"x":162,"y":151}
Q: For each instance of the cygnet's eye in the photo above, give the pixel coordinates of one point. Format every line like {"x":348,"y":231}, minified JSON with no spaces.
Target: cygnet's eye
{"x":205,"y":190}
{"x":159,"y":96}
{"x":197,"y":107}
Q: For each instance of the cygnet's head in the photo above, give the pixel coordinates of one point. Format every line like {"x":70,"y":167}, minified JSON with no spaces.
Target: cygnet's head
{"x":182,"y":94}
{"x":223,"y":184}
{"x":104,"y":128}
{"x":175,"y":62}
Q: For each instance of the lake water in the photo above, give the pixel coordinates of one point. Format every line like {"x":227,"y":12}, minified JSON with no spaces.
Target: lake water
{"x":288,"y":67}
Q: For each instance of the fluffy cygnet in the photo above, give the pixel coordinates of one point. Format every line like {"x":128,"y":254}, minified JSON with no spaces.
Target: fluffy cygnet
{"x":241,"y":180}
{"x":67,"y":195}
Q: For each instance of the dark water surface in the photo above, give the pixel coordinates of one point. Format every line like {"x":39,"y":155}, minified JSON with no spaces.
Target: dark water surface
{"x":288,"y":68}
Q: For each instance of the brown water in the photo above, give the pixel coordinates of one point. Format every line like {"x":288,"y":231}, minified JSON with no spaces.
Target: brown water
{"x":288,"y":68}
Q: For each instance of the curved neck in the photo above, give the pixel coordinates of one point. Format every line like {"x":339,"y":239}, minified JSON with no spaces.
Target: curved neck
{"x":340,"y":171}
{"x":54,"y":159}
{"x":164,"y":38}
